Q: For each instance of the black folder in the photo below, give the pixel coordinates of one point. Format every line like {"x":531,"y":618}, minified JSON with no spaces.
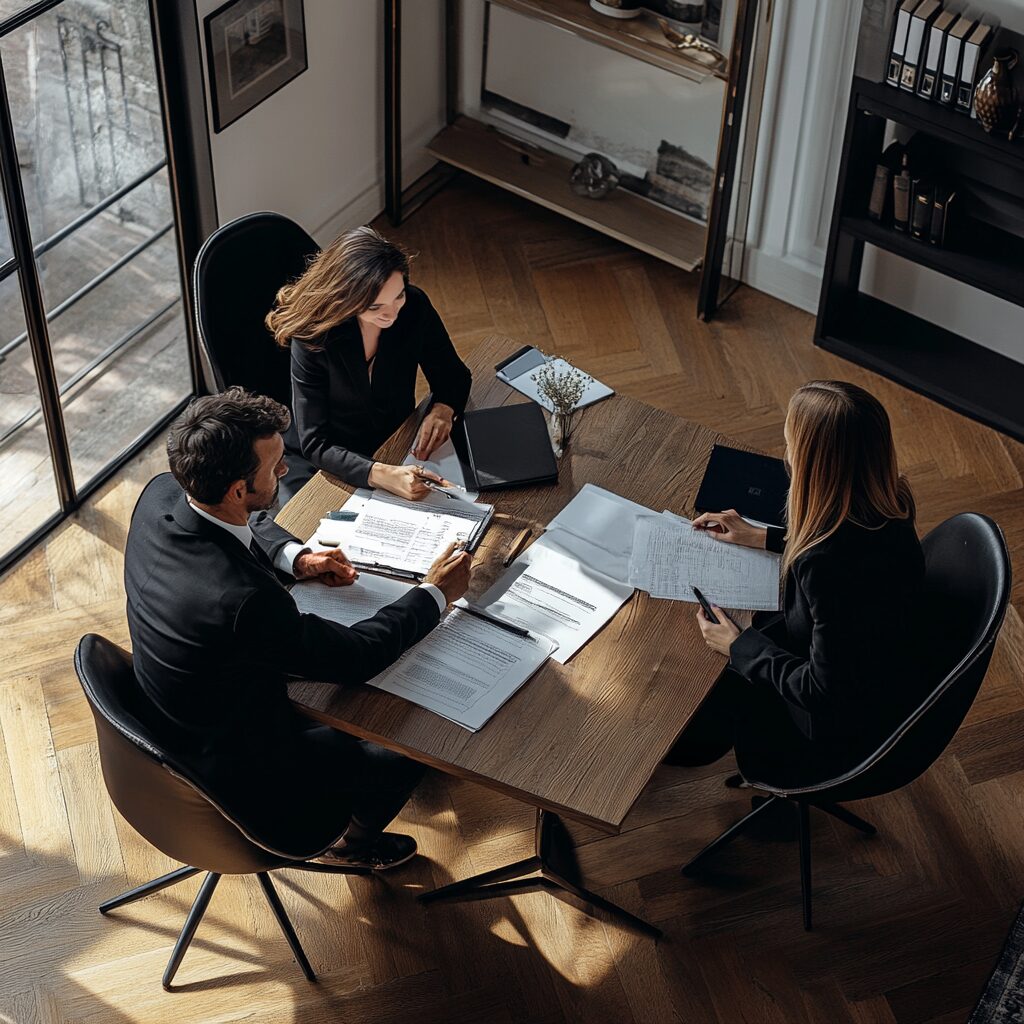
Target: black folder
{"x":505,"y":447}
{"x":754,"y":485}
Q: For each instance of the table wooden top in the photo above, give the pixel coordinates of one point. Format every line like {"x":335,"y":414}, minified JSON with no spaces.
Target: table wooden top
{"x":581,"y":739}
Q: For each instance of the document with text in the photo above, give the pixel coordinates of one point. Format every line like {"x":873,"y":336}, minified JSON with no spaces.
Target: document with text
{"x":465,"y":669}
{"x":549,"y":593}
{"x":669,"y":557}
{"x":350,"y":604}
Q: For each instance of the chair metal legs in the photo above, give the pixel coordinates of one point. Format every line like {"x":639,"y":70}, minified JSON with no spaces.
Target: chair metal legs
{"x":163,"y":882}
{"x":202,"y":901}
{"x":195,"y":915}
{"x":804,"y":818}
{"x":804,"y":822}
{"x":726,"y":837}
{"x":286,"y":926}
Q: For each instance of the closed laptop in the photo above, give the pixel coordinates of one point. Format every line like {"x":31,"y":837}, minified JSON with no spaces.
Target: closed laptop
{"x":505,"y":447}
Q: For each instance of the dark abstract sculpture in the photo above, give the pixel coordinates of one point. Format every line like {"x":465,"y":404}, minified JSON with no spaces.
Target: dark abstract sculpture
{"x":594,"y":176}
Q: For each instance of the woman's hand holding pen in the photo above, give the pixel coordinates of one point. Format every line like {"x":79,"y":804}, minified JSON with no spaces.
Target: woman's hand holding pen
{"x":450,"y":573}
{"x":731,"y":528}
{"x":718,"y":635}
{"x":435,"y":429}
{"x":330,"y":567}
{"x":409,"y":482}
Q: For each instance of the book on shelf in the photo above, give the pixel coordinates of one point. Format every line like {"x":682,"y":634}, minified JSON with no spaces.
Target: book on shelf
{"x":941,"y":203}
{"x":881,"y":190}
{"x":974,"y":47}
{"x":901,"y":198}
{"x":951,"y":57}
{"x":921,"y":213}
{"x":901,"y":23}
{"x":917,"y":35}
{"x":929,"y":78}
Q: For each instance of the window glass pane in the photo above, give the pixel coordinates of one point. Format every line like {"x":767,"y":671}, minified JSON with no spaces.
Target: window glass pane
{"x":90,"y":143}
{"x":28,"y":494}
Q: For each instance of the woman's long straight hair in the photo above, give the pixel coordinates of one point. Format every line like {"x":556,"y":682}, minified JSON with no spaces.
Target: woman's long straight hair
{"x":342,"y":281}
{"x":842,"y":465}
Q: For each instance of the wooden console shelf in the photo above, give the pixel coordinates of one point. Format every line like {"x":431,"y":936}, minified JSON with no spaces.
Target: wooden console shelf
{"x":636,"y":37}
{"x":543,"y":177}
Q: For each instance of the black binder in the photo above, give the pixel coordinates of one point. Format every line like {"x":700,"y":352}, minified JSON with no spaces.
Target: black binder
{"x":755,"y":485}
{"x":505,"y":447}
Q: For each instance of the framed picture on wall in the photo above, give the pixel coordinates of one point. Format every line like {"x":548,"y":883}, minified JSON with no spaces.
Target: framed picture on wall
{"x":253,"y":48}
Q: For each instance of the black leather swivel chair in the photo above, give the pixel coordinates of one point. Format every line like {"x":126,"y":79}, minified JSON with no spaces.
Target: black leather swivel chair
{"x":161,"y":799}
{"x":237,"y":274}
{"x":967,"y":583}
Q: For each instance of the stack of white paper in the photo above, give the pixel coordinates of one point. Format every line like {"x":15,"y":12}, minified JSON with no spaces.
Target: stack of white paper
{"x":669,"y":557}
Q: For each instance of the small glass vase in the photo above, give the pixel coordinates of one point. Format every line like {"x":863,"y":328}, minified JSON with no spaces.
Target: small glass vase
{"x":560,"y":426}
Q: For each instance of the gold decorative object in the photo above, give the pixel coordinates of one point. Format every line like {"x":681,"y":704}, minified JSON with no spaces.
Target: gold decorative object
{"x":688,"y":41}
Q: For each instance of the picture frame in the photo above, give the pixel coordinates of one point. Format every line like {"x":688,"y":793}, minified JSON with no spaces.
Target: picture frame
{"x":253,"y":48}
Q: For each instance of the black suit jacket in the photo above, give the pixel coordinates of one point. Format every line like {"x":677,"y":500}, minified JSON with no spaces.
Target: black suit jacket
{"x":342,"y":414}
{"x":215,"y":635}
{"x":842,"y":655}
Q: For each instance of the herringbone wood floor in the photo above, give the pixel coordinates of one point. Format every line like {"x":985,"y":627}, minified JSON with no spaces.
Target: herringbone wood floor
{"x":907,"y":923}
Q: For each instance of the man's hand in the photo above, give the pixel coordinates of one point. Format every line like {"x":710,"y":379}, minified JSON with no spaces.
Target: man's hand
{"x":451,"y":572}
{"x":405,"y":481}
{"x":718,"y":637}
{"x":732,"y":528}
{"x":329,"y":567}
{"x":435,"y":429}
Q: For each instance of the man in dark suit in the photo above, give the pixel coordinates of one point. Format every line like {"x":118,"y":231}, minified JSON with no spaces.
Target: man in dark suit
{"x":215,"y":634}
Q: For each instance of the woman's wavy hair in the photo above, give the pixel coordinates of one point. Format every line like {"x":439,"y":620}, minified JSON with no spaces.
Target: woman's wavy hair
{"x":341,"y":281}
{"x":842,"y":465}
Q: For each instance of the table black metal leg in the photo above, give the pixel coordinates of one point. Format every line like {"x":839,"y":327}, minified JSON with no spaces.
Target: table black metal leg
{"x":555,"y":860}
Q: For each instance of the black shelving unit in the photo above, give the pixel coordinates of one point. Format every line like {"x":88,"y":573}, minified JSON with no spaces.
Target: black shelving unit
{"x":919,"y":354}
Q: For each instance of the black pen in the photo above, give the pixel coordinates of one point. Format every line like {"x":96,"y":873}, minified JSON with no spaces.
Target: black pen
{"x":708,"y":613}
{"x":406,"y":574}
{"x":500,"y":623}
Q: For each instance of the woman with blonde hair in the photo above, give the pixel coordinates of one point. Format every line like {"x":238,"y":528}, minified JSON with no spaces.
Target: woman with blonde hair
{"x":358,"y":333}
{"x":833,"y":672}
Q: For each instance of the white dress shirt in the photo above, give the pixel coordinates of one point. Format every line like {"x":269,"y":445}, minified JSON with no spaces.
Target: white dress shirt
{"x":285,"y":559}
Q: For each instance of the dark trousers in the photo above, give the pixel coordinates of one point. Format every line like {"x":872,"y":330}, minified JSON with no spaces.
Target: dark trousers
{"x":372,"y":782}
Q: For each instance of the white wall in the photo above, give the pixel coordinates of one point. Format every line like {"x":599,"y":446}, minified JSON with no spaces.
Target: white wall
{"x":314,"y":151}
{"x":807,"y":92}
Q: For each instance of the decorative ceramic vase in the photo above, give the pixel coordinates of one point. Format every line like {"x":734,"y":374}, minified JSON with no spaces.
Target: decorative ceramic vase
{"x":996,"y":99}
{"x":560,"y":429}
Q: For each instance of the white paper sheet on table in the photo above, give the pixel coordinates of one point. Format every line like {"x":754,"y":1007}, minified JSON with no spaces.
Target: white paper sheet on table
{"x":465,"y":669}
{"x":526,"y":385}
{"x":351,"y":604}
{"x":404,"y":535}
{"x":549,"y":593}
{"x":669,"y":557}
{"x":596,"y":529}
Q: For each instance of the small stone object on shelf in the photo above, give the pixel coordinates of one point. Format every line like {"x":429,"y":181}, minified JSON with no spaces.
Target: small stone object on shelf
{"x":563,"y":389}
{"x":996,"y":98}
{"x":594,"y":176}
{"x":683,"y":41}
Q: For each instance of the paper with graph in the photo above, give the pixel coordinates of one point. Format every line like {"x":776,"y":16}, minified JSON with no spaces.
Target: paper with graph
{"x":669,"y":557}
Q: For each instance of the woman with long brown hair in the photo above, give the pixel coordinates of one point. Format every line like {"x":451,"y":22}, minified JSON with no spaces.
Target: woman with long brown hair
{"x":358,"y":333}
{"x":833,"y":672}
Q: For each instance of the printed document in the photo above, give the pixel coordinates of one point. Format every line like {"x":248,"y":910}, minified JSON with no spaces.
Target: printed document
{"x":596,"y":529}
{"x":549,"y":593}
{"x":669,"y":557}
{"x":405,"y":536}
{"x":465,"y":669}
{"x":348,"y":605}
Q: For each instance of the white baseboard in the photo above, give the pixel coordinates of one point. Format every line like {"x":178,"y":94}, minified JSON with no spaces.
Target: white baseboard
{"x":788,"y":278}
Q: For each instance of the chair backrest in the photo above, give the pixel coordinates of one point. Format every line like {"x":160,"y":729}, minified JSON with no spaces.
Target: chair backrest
{"x":967,"y":589}
{"x":237,"y":274}
{"x":153,"y":788}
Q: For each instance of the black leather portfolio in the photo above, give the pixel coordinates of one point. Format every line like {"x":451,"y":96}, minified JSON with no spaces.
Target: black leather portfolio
{"x":754,"y":485}
{"x":505,"y":447}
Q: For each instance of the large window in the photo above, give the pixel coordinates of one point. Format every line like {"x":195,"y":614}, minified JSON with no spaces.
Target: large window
{"x":93,"y":340}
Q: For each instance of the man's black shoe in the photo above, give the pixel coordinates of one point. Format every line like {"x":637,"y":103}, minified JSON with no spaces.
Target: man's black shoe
{"x":380,"y":853}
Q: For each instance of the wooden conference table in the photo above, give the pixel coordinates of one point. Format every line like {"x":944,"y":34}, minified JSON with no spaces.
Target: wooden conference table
{"x":582,"y":739}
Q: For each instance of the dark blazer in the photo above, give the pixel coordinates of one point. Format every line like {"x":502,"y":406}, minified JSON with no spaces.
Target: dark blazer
{"x":842,"y":653}
{"x":343,"y":416}
{"x":215,"y":635}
